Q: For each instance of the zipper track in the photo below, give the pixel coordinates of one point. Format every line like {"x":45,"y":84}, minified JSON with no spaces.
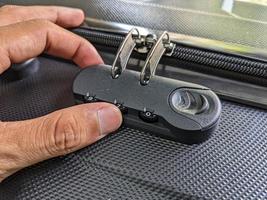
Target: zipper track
{"x":102,"y":38}
{"x":201,"y":57}
{"x":221,"y":61}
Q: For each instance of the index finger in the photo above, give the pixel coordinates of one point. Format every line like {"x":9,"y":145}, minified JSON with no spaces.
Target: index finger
{"x":19,"y":42}
{"x":63,"y":16}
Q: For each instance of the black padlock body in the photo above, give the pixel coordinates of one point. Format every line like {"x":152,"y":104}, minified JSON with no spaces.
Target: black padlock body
{"x":185,"y":112}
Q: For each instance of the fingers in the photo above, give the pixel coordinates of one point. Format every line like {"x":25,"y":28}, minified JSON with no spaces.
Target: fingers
{"x":66,"y":17}
{"x":25,"y":143}
{"x":19,"y":42}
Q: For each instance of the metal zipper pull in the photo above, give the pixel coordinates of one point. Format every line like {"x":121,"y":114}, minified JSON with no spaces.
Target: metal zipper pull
{"x":124,"y":53}
{"x":163,"y":46}
{"x":145,"y":43}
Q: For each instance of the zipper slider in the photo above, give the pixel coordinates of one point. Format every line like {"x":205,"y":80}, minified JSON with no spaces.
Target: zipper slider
{"x":145,"y":43}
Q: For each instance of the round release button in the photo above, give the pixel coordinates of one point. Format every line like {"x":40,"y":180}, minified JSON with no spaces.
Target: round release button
{"x":189,"y":102}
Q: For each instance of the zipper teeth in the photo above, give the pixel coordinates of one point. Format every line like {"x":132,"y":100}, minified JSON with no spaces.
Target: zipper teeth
{"x":108,"y":39}
{"x":198,"y":56}
{"x":221,"y":61}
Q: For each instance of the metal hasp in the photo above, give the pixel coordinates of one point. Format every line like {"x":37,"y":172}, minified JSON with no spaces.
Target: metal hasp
{"x":124,"y":53}
{"x":163,"y":46}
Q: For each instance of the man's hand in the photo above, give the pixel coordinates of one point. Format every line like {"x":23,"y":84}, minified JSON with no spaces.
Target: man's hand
{"x":26,"y":32}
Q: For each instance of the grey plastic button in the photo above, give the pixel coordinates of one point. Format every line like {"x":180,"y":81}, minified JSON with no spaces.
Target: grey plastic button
{"x":183,"y":101}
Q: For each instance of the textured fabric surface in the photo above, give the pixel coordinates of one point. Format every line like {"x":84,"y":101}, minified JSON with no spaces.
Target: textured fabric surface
{"x":132,"y":164}
{"x":242,"y":22}
{"x":246,"y":24}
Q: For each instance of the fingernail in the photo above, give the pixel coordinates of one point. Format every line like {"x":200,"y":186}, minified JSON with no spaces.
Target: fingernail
{"x":109,"y":119}
{"x":77,"y":11}
{"x":72,"y":9}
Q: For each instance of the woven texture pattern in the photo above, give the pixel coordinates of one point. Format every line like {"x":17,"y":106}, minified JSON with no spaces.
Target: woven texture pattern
{"x":246,"y":24}
{"x":240,"y":22}
{"x":135,"y":165}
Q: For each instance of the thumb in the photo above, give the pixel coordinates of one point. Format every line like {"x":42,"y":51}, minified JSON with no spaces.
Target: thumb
{"x":28,"y":142}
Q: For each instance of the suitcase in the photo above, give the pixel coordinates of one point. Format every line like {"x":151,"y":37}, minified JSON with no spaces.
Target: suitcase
{"x":218,"y":44}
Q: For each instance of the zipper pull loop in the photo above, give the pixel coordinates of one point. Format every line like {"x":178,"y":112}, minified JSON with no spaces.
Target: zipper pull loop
{"x":163,"y":46}
{"x":125,"y":52}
